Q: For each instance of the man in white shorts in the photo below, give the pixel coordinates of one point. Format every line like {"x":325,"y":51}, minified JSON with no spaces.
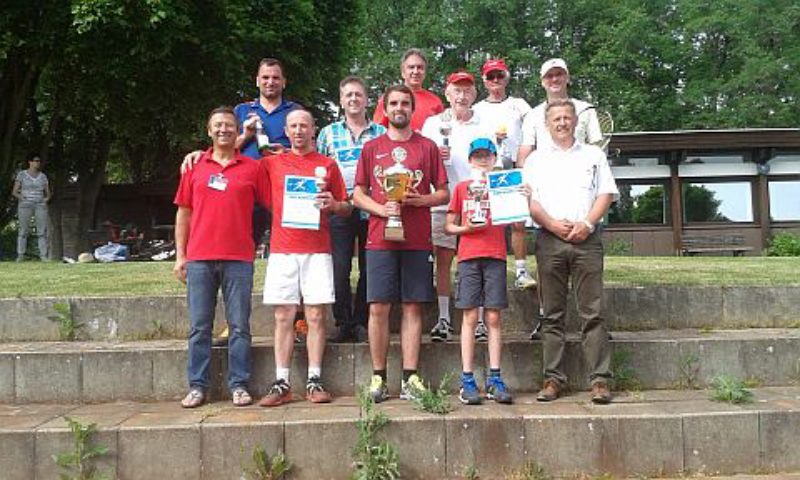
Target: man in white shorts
{"x":452,"y":130}
{"x":300,"y":268}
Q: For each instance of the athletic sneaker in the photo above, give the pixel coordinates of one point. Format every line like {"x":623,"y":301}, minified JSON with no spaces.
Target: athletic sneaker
{"x":481,"y":333}
{"x":315,"y":392}
{"x":412,"y":389}
{"x":524,"y":280}
{"x":377,"y":389}
{"x":496,"y":390}
{"x":279,"y":393}
{"x":469,"y":393}
{"x":442,"y":330}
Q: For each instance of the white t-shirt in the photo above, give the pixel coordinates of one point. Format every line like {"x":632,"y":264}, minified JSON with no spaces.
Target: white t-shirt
{"x":534,"y":129}
{"x":566,"y":183}
{"x":509,"y":114}
{"x":461,"y":135}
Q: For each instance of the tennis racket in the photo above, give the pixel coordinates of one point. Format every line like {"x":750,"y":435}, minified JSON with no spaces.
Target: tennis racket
{"x":606,"y":123}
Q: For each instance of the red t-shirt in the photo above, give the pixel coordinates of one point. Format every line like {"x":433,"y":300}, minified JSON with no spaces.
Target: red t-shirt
{"x":426,"y":104}
{"x":221,"y":227}
{"x":488,"y":242}
{"x":299,"y":240}
{"x":422,"y":155}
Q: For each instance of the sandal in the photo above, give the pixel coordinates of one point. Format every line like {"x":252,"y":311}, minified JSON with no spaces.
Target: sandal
{"x":241,"y":398}
{"x":193,"y":399}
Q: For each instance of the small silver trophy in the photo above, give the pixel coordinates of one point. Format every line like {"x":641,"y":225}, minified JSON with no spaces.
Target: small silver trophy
{"x":446,"y":129}
{"x":476,"y":192}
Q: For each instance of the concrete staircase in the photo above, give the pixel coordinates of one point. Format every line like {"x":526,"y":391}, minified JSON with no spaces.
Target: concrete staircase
{"x":129,"y":370}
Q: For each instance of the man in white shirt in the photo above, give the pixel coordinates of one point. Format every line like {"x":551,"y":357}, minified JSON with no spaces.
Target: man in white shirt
{"x":504,"y":115}
{"x":571,"y":190}
{"x":452,"y":130}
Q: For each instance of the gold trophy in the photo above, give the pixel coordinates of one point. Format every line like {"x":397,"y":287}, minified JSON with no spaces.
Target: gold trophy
{"x":396,"y":181}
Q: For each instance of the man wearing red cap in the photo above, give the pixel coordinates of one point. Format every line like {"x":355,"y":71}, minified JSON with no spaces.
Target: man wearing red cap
{"x":504,"y":114}
{"x":413,"y":66}
{"x":555,"y":81}
{"x":453,"y":130}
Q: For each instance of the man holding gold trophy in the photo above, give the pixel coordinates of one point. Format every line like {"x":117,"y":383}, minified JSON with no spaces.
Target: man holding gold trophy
{"x":400,"y":176}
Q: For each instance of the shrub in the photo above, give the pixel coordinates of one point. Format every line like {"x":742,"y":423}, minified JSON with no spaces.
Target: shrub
{"x":784,"y":244}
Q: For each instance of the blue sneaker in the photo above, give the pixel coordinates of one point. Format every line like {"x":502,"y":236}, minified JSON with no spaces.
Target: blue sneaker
{"x":496,"y":390}
{"x":469,"y":393}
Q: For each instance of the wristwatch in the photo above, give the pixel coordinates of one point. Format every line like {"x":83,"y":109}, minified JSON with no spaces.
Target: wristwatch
{"x":589,"y":225}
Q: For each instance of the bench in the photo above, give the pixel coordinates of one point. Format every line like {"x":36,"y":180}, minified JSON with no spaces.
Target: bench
{"x":693,"y":244}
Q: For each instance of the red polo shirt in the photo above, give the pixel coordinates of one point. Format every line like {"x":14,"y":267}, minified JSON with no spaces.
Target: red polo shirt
{"x":221,"y":227}
{"x":298,"y":240}
{"x":487,"y":242}
{"x":426,"y":104}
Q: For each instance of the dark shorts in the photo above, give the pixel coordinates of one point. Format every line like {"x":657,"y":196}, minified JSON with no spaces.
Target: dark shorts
{"x":399,"y":276}
{"x":481,"y":283}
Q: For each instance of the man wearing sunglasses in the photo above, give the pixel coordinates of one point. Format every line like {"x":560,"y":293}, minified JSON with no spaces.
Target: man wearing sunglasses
{"x":504,"y":114}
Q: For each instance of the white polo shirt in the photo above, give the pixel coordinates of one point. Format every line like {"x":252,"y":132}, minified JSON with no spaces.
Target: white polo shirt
{"x":509,"y":114}
{"x":534,"y":128}
{"x":566,"y":183}
{"x":461,"y":135}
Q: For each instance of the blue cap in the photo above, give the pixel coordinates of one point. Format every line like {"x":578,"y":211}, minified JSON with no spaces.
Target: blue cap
{"x":482,"y":144}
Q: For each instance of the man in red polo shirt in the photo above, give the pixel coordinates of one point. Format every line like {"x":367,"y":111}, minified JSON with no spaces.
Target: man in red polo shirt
{"x":215,"y":250}
{"x":300,"y":267}
{"x":413,"y":66}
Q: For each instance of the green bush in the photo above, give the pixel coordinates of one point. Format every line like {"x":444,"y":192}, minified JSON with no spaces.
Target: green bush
{"x":784,"y":245}
{"x":619,"y":247}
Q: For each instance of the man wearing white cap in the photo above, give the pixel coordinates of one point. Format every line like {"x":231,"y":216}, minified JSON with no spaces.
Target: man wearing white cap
{"x":452,"y":130}
{"x":504,"y":115}
{"x":555,"y":81}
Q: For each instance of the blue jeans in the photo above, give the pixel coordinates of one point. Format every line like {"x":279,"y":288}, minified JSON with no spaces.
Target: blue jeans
{"x":203,"y":280}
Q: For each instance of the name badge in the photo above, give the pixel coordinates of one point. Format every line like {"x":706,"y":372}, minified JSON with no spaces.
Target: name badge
{"x":218,"y":182}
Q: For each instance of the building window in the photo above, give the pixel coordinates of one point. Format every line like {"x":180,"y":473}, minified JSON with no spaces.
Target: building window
{"x":784,"y":200}
{"x":640,"y":204}
{"x":717,"y":202}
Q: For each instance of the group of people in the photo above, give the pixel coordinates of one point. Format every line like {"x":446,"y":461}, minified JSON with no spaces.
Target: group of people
{"x":333,"y":196}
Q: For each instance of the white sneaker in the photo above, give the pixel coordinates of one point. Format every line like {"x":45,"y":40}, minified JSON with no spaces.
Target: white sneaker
{"x":524,"y":280}
{"x":442,"y":330}
{"x":481,"y":332}
{"x":412,"y":389}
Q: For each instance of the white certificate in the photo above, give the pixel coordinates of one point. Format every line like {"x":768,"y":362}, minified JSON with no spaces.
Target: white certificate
{"x":300,"y":208}
{"x":507,"y":204}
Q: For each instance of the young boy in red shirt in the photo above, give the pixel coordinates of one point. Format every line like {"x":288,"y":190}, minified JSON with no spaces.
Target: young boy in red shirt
{"x":481,"y":260}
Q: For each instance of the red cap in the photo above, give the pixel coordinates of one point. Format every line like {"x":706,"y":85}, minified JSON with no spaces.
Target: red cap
{"x":460,"y":77}
{"x":494,"y":64}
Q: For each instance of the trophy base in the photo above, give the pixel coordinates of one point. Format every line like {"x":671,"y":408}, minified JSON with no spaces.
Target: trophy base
{"x":394,"y":234}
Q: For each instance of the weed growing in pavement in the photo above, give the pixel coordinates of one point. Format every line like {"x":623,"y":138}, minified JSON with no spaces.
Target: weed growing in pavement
{"x":79,"y":462}
{"x":68,"y":327}
{"x":727,"y":388}
{"x":265,"y":467}
{"x":529,"y":471}
{"x":689,"y":368}
{"x":373,"y":459}
{"x":436,"y":401}
{"x":623,"y":375}
{"x":471,"y":473}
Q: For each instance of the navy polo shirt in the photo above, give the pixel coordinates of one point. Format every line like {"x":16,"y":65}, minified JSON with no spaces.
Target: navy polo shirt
{"x":274,"y":123}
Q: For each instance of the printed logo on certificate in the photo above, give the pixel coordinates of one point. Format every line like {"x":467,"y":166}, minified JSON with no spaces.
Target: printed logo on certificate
{"x":300,"y":209}
{"x":506,"y":200}
{"x":347,"y":158}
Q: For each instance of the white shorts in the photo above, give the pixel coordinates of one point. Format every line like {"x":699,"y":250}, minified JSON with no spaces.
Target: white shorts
{"x":439,"y":238}
{"x":292,"y":277}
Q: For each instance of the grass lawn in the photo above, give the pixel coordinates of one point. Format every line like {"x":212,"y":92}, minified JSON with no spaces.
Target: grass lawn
{"x":35,"y":279}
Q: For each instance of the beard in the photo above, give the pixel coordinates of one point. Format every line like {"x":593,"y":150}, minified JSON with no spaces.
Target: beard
{"x":399,"y":121}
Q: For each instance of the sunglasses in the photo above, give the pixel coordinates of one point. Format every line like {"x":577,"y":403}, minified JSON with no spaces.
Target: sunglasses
{"x":493,"y":76}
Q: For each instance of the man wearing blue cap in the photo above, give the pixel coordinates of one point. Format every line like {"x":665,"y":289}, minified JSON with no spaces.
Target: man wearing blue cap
{"x":481,"y":272}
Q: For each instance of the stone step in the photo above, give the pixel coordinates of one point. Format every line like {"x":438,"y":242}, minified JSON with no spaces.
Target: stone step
{"x":651,"y":433}
{"x":626,"y":308}
{"x":93,"y":372}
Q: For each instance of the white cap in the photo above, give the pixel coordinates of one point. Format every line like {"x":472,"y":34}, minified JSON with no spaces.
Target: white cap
{"x":551,"y":64}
